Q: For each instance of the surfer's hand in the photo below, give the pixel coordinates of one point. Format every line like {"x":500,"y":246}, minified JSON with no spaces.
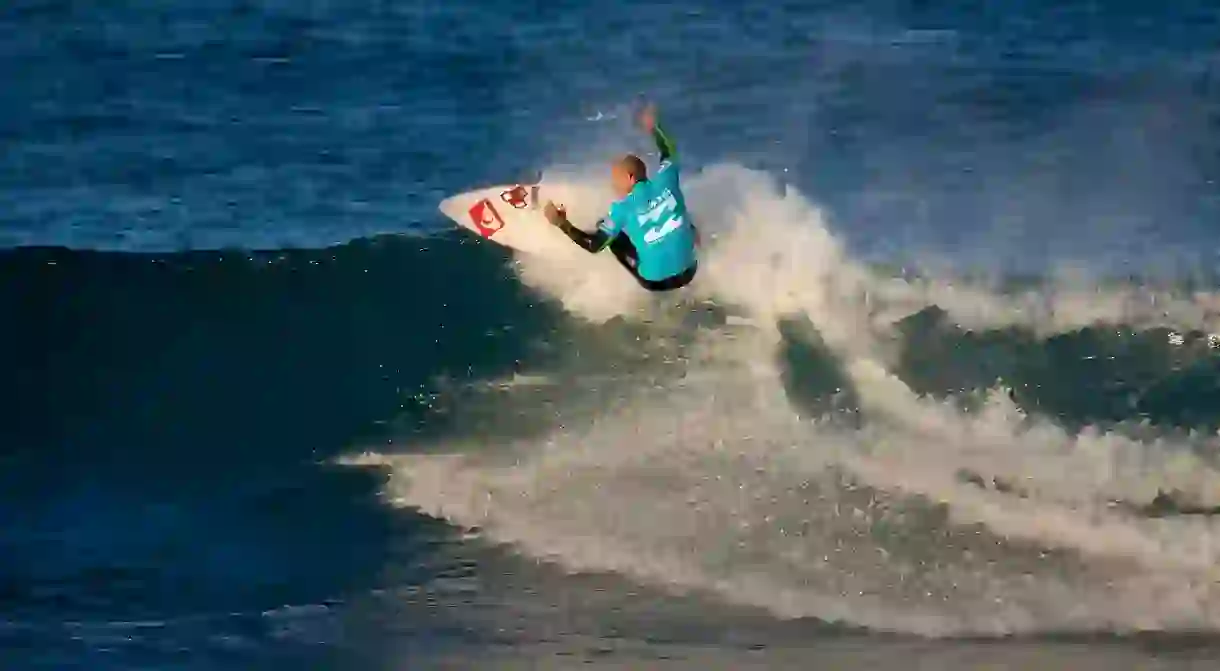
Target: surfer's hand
{"x":555,"y":215}
{"x":648,"y":117}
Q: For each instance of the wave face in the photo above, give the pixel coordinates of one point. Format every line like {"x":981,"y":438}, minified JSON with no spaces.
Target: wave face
{"x":915,"y":455}
{"x":203,"y":445}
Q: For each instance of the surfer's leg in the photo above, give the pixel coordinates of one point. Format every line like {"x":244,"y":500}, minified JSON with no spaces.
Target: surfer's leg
{"x":625,"y":252}
{"x":670,"y":283}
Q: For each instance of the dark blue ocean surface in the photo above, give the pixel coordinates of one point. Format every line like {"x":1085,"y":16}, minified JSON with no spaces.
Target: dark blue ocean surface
{"x":266,"y":409}
{"x":1075,"y":127}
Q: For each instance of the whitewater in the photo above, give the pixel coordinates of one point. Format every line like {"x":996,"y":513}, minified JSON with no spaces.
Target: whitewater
{"x":686,"y":465}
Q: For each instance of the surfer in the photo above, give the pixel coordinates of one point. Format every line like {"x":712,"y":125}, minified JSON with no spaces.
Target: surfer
{"x":647,"y":229}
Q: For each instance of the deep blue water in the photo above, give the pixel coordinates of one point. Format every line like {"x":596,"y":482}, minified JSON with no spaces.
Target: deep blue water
{"x":224,"y":276}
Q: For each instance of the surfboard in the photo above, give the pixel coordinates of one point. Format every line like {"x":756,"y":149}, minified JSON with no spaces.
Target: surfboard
{"x":511,"y":214}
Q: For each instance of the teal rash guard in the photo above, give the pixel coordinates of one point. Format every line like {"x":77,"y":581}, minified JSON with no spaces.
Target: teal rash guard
{"x":649,"y":229}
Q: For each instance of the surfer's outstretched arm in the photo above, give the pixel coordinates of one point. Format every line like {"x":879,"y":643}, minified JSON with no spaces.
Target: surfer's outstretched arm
{"x":590,"y":242}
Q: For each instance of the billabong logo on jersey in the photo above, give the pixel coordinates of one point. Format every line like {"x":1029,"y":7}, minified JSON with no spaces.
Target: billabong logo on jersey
{"x":658,"y":207}
{"x":485,"y":218}
{"x":657,"y":232}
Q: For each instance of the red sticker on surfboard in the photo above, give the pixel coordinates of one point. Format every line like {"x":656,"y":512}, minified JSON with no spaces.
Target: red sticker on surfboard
{"x":520,"y":198}
{"x":485,"y":218}
{"x":489,"y":222}
{"x":517,"y":197}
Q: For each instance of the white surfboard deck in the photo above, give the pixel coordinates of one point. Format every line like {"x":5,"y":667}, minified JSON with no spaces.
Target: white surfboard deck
{"x":511,"y":215}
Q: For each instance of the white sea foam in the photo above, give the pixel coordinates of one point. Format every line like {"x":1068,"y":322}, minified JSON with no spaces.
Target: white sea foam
{"x":712,"y":481}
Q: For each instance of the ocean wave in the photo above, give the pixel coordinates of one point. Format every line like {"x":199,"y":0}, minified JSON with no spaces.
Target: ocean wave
{"x":694,"y":466}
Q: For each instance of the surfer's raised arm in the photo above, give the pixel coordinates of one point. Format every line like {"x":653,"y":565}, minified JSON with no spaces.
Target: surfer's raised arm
{"x":665,"y":145}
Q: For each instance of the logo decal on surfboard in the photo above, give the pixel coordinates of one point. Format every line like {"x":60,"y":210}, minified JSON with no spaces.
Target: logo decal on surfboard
{"x":520,"y":198}
{"x":485,"y":218}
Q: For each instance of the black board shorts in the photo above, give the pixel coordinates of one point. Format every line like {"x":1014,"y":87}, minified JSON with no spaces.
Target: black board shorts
{"x":625,"y":252}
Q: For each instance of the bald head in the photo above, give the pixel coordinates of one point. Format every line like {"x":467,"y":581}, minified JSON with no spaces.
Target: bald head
{"x":627,"y":172}
{"x":633,"y":166}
